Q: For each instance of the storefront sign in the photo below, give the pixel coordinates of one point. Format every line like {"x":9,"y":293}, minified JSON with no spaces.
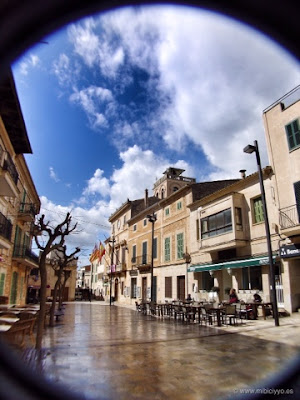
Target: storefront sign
{"x":291,"y":250}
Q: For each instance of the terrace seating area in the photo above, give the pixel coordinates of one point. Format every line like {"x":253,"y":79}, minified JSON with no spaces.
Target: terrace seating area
{"x":17,"y":323}
{"x":204,"y":313}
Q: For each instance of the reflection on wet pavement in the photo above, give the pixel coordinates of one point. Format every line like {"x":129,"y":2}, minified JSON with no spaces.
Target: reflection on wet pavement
{"x":118,"y":353}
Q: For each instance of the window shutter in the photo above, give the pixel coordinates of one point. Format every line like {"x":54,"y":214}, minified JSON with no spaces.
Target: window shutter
{"x":297,"y":196}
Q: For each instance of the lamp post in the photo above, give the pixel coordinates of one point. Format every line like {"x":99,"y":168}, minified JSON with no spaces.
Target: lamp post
{"x":152,"y":219}
{"x":249,"y":150}
{"x":188,"y":259}
{"x":111,"y":267}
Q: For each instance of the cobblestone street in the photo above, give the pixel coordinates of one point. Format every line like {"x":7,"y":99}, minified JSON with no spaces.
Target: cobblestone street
{"x":116,"y":352}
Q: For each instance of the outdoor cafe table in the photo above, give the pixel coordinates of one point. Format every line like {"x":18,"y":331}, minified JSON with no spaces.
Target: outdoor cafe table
{"x":214,"y":310}
{"x":4,"y":328}
{"x":264,"y":306}
{"x":10,"y":320}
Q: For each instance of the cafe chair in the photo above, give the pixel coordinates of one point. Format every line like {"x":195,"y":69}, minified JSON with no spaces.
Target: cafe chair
{"x":205,"y":316}
{"x":230,"y":314}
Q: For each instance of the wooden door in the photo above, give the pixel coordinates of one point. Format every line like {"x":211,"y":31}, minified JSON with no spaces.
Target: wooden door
{"x":181,"y":287}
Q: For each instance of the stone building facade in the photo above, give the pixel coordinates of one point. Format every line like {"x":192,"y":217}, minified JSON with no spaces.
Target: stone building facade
{"x":19,"y":201}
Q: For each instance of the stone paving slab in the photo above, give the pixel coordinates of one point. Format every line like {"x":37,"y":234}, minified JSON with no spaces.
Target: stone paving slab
{"x":115,"y":352}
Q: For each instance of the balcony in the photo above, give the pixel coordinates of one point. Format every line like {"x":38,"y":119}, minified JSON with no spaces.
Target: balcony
{"x":143,"y":263}
{"x":121,"y":267}
{"x":8,"y":175}
{"x":27,"y":212}
{"x":289,"y":220}
{"x":5,"y":232}
{"x":25,"y":256}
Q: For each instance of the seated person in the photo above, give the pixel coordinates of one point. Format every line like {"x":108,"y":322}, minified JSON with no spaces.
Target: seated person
{"x":257,"y":298}
{"x":233,"y":298}
{"x":189,"y":298}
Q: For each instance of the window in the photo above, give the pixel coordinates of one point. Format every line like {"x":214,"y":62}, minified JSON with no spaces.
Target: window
{"x":258,"y":211}
{"x":134,"y":227}
{"x":133,"y":288}
{"x":124,"y":220}
{"x":180,"y":247}
{"x":133,"y":258}
{"x":297,"y":197}
{"x":144,"y":253}
{"x":216,"y":224}
{"x":168,"y":287}
{"x":155,"y":248}
{"x":197,"y":229}
{"x":167,"y":249}
{"x":175,"y":188}
{"x":179,"y":206}
{"x":251,"y":278}
{"x":145,"y":222}
{"x":293,"y":134}
{"x":167,"y":212}
{"x":207,"y":281}
{"x":238,"y":218}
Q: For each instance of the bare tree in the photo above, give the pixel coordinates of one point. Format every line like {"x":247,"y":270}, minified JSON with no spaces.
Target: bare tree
{"x":60,"y":264}
{"x":55,"y":240}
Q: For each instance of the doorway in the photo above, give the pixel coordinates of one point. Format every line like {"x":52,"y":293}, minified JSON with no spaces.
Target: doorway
{"x":181,"y":287}
{"x":144,"y":289}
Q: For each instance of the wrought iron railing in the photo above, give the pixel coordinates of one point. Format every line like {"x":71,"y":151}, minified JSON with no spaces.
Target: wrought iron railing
{"x":144,"y":259}
{"x":5,"y":227}
{"x":289,"y":216}
{"x":25,"y":252}
{"x":28,"y":208}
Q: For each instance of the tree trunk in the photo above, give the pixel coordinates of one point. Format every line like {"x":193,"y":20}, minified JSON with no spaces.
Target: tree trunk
{"x":62,"y":290}
{"x":55,"y":291}
{"x":42,"y":313}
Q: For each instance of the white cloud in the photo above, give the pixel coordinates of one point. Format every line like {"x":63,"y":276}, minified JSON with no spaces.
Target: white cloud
{"x":53,"y":175}
{"x":92,"y":99}
{"x":66,"y":70}
{"x":97,"y":184}
{"x":32,"y":61}
{"x":217,"y":74}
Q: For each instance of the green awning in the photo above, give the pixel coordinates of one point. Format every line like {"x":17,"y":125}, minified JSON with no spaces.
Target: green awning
{"x":249,"y":262}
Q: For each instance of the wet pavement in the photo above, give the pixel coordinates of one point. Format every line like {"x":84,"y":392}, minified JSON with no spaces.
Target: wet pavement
{"x":119,"y":353}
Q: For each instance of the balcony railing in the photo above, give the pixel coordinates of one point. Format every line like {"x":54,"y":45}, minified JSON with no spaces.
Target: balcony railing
{"x":144,"y":259}
{"x":27,"y":212}
{"x":25,"y":252}
{"x":9,"y":166}
{"x":5,"y":227}
{"x":28,"y":208}
{"x":289,"y":216}
{"x":121,"y":267}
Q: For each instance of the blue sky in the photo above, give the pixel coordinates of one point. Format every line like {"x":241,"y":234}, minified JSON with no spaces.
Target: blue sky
{"x":112,"y":100}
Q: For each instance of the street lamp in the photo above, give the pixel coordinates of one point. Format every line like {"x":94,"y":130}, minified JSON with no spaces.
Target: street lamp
{"x":111,"y":268}
{"x":152,"y":219}
{"x":249,"y":150}
{"x":188,"y":259}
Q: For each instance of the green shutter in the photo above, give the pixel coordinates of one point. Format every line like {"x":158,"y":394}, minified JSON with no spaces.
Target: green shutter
{"x":167,"y":249}
{"x":180,"y":245}
{"x":293,"y":134}
{"x":14,"y":288}
{"x":258,"y":210}
{"x":2,"y":280}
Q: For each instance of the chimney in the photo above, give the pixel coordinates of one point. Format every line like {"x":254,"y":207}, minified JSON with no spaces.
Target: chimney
{"x":243,"y":173}
{"x":146,"y":198}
